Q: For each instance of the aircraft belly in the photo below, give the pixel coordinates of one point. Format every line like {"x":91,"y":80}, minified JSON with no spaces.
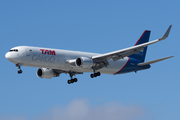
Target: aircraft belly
{"x":114,"y":67}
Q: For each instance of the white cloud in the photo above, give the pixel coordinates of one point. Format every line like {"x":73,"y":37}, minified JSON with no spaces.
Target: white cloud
{"x":81,"y":110}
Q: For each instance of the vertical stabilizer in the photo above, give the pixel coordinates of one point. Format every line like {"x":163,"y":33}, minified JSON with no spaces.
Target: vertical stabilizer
{"x":143,"y":39}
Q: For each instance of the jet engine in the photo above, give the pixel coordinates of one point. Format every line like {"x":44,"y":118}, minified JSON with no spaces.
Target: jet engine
{"x":84,"y":62}
{"x":46,"y":73}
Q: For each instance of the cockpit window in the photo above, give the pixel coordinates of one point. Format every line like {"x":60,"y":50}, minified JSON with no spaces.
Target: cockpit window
{"x":15,"y":50}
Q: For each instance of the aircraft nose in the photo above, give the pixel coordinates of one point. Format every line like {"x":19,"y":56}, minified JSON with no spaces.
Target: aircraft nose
{"x":8,"y":56}
{"x":12,"y":57}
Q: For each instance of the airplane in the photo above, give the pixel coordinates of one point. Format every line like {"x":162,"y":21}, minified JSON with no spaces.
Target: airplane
{"x":53,"y":62}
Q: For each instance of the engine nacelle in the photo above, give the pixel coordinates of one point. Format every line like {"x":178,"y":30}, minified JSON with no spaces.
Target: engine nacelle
{"x":46,"y":73}
{"x":84,"y":62}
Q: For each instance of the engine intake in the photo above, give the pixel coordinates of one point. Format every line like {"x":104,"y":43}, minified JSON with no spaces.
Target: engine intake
{"x":46,"y":73}
{"x":84,"y":62}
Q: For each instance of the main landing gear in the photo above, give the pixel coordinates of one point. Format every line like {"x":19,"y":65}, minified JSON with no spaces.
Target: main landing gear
{"x":95,"y":74}
{"x":19,"y":67}
{"x":72,"y":79}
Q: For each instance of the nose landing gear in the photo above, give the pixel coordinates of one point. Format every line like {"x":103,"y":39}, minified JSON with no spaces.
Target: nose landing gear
{"x":19,"y":67}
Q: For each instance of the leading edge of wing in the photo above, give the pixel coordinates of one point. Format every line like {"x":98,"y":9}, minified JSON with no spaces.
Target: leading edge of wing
{"x":130,"y":50}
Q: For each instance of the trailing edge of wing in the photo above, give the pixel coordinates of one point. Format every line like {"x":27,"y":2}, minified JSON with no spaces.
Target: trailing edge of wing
{"x":130,"y":50}
{"x":153,"y":61}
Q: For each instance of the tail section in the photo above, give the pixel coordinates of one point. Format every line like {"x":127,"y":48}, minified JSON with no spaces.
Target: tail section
{"x":143,"y":39}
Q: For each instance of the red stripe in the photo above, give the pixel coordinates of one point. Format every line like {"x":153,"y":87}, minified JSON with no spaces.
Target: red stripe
{"x":123,"y":67}
{"x":140,"y":37}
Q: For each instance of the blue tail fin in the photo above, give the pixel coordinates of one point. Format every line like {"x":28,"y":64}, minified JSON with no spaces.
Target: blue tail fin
{"x":143,"y":39}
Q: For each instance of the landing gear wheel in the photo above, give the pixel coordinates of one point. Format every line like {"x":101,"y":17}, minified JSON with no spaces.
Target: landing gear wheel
{"x":98,"y":73}
{"x":92,"y":75}
{"x":69,"y":81}
{"x":72,"y":80}
{"x":19,"y":71}
{"x":95,"y":75}
{"x":75,"y":79}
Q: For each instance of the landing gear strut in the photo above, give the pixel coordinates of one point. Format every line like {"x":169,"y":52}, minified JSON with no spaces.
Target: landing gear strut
{"x":95,"y":74}
{"x":19,"y":67}
{"x":72,"y":80}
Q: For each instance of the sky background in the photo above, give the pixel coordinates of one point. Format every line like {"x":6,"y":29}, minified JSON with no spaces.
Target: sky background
{"x":98,"y":26}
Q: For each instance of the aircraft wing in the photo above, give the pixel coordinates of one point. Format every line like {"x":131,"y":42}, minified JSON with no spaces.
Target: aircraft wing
{"x":120,"y":54}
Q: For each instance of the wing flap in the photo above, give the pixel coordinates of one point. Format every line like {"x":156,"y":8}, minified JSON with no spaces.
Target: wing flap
{"x":122,"y":55}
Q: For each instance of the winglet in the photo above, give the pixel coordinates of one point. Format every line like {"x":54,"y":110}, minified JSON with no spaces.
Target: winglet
{"x":166,"y":34}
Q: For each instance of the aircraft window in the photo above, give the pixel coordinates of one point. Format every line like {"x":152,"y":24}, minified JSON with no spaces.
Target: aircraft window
{"x":15,"y":50}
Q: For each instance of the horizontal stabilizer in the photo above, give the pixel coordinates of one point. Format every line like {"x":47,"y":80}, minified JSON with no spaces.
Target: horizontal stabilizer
{"x":154,"y":61}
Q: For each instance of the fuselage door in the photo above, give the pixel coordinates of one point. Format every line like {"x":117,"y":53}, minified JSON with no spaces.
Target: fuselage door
{"x":28,"y":51}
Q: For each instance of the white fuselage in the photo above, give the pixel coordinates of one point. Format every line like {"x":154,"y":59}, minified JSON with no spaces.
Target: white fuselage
{"x":56,"y":59}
